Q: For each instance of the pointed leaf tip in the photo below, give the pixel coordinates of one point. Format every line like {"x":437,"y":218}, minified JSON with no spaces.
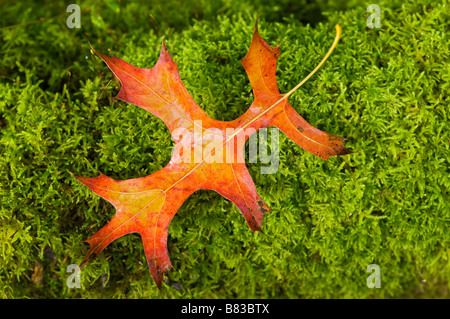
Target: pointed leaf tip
{"x":164,"y":55}
{"x":256,"y":23}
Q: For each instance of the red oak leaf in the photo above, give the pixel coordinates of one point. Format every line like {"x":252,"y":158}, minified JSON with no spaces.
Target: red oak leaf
{"x":209,"y":154}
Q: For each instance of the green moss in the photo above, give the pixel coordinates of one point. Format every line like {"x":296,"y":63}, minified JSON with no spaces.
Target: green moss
{"x":386,"y":90}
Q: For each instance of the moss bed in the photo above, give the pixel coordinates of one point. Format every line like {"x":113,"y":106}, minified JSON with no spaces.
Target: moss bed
{"x":384,"y":89}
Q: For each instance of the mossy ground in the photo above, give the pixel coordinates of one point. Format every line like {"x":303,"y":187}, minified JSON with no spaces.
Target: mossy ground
{"x":386,"y":90}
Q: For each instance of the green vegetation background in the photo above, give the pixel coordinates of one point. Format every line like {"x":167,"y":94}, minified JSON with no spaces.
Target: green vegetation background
{"x":386,"y":90}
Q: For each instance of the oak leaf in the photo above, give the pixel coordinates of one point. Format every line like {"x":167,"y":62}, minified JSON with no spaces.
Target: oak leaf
{"x":208,"y":153}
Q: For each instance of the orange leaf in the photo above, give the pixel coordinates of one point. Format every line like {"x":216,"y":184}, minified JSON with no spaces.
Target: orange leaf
{"x":209,"y":154}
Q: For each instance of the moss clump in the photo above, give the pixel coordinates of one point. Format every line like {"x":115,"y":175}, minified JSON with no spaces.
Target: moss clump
{"x":386,"y":90}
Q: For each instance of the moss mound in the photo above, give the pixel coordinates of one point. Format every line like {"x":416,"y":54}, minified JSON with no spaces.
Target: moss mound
{"x":385,"y":89}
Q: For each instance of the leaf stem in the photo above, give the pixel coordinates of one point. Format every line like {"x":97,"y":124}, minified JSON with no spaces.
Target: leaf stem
{"x":336,"y":40}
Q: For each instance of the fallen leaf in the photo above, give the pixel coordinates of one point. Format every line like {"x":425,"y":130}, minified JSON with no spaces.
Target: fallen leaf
{"x":209,"y":154}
